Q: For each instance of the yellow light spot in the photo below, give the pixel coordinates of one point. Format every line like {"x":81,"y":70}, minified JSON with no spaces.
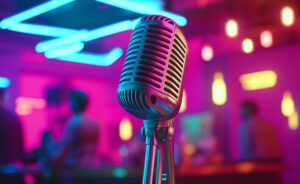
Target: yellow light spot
{"x":207,"y":53}
{"x":125,"y":129}
{"x":258,"y":80}
{"x":287,"y":16}
{"x":287,"y":104}
{"x":266,"y":39}
{"x":183,"y":102}
{"x":294,"y":121}
{"x":231,"y":28}
{"x":247,"y":45}
{"x":219,"y":91}
{"x":189,"y":149}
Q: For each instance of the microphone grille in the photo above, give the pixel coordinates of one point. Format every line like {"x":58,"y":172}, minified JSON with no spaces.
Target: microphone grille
{"x":152,"y":76}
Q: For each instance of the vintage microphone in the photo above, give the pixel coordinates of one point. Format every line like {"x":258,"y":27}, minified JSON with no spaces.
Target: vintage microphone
{"x":151,"y":87}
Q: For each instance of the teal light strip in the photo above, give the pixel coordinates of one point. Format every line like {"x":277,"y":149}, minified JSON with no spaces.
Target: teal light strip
{"x":64,"y":51}
{"x":42,"y":30}
{"x":25,"y":15}
{"x":95,"y":59}
{"x":143,"y":9}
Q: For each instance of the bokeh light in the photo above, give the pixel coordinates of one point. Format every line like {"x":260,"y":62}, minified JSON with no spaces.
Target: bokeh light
{"x":231,"y":28}
{"x":207,"y":53}
{"x":287,"y":16}
{"x":219,"y":90}
{"x":294,"y":121}
{"x":266,"y":38}
{"x":125,"y":129}
{"x":287,"y":104}
{"x":247,"y":45}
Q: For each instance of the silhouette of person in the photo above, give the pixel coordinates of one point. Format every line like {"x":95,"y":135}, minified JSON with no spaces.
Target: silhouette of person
{"x":258,"y":139}
{"x":78,"y":144}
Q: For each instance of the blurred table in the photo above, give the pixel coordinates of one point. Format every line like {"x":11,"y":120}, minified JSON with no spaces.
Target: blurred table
{"x":231,"y":173}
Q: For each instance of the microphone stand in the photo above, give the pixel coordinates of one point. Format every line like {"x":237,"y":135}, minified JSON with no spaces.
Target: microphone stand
{"x":159,"y":157}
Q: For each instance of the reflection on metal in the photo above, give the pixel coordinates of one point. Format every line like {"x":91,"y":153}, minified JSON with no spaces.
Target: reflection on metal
{"x":258,"y":80}
{"x":183,"y":102}
{"x":219,"y":90}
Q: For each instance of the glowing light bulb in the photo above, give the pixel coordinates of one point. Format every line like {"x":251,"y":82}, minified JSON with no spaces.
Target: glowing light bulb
{"x":207,"y":53}
{"x":219,"y":91}
{"x":183,"y":102}
{"x":125,"y":129}
{"x":247,"y":45}
{"x":231,"y":28}
{"x":287,"y":16}
{"x":294,"y":121}
{"x":287,"y":104}
{"x":266,"y":39}
{"x":258,"y":80}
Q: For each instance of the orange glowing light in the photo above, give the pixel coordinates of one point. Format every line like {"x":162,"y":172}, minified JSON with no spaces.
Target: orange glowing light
{"x":37,"y":103}
{"x":25,"y":105}
{"x":247,"y":45}
{"x":189,"y":149}
{"x":258,"y":80}
{"x":287,"y":16}
{"x":266,"y":39}
{"x":231,"y":28}
{"x":287,"y":104}
{"x":246,"y":167}
{"x":219,"y":90}
{"x":183,"y":102}
{"x":207,"y":53}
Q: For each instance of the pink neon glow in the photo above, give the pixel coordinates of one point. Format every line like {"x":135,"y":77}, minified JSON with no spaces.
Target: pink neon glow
{"x":266,"y":38}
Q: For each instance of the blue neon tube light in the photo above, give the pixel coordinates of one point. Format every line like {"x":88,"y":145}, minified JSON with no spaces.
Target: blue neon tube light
{"x":40,"y":9}
{"x":64,"y":51}
{"x":42,"y":30}
{"x":95,"y":59}
{"x":143,"y":9}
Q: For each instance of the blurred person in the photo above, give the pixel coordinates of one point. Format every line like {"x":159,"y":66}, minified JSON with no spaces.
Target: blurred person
{"x":258,"y":139}
{"x":78,"y":144}
{"x":11,"y":139}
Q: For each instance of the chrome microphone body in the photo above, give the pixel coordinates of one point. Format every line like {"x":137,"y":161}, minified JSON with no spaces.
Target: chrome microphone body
{"x":151,"y":87}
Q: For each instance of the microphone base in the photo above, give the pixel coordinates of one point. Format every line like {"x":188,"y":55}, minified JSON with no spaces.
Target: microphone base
{"x":159,"y":157}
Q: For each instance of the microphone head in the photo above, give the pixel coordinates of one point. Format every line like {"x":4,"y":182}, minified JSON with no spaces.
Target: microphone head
{"x":151,"y":83}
